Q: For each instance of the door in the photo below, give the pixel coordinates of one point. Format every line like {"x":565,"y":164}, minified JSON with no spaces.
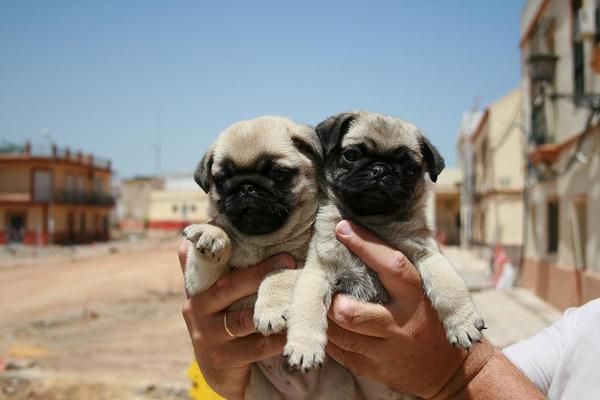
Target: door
{"x":16,"y":228}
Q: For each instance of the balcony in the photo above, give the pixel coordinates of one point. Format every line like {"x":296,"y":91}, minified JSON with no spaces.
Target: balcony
{"x":53,"y":152}
{"x":71,"y":197}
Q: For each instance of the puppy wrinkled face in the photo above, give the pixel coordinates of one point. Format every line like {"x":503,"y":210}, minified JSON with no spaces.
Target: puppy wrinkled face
{"x":375,"y":164}
{"x":256,"y":198}
{"x":372,"y":183}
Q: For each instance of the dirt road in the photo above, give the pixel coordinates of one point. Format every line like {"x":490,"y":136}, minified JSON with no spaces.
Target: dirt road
{"x":105,"y":327}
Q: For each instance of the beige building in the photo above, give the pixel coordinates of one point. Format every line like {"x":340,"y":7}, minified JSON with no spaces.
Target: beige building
{"x":134,"y":200}
{"x":498,"y":169}
{"x":443,"y":208}
{"x":178,"y":204}
{"x":53,"y":195}
{"x":563,"y":209}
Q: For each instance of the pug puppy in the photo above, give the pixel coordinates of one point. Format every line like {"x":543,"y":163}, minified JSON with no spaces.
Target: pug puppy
{"x":261,"y":181}
{"x":373,"y":174}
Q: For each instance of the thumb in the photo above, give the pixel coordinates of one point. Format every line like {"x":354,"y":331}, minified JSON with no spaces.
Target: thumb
{"x":397,"y":273}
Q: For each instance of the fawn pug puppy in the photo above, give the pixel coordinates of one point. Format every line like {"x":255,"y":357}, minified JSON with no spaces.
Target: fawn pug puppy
{"x":261,"y":181}
{"x":373,"y":174}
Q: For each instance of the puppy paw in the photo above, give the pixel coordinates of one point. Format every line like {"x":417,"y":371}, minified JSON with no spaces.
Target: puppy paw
{"x":193,"y":232}
{"x":464,"y":327}
{"x":306,"y":353}
{"x":209,"y":240}
{"x":269,"y":318}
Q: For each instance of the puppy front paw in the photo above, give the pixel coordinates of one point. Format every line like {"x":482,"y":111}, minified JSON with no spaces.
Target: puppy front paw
{"x":464,"y":326}
{"x":269,"y":318}
{"x":211,"y":241}
{"x":305,"y":353}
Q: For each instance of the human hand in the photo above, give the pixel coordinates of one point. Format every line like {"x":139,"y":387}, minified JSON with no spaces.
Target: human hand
{"x":403,"y":344}
{"x":225,"y":360}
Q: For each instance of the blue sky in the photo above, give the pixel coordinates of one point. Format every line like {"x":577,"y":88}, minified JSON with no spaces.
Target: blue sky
{"x":107,"y":76}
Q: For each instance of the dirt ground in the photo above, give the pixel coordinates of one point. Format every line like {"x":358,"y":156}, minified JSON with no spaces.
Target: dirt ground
{"x":106,"y":327}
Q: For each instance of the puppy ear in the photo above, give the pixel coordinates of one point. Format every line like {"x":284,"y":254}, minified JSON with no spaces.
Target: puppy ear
{"x":202,"y":174}
{"x":307,"y":143}
{"x":434,"y":161}
{"x":332,"y":130}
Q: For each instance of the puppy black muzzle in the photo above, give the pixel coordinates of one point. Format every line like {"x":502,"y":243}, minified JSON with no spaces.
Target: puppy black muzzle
{"x":253,"y":207}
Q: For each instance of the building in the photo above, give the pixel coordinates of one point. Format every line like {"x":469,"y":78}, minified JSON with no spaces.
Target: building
{"x":470,"y":121}
{"x":134,"y":200}
{"x":53,"y":195}
{"x":179,"y":203}
{"x":559,"y":61}
{"x":498,"y":164}
{"x":443,"y":208}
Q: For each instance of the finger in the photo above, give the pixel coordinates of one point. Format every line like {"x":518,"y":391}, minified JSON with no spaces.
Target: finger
{"x":240,"y":323}
{"x":182,"y":253}
{"x":253,"y":348}
{"x":352,"y":341}
{"x":364,"y":318}
{"x":397,"y":273}
{"x":239,"y":284}
{"x":357,"y":363}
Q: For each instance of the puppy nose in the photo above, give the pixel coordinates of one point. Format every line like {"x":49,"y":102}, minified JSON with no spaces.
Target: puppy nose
{"x":378,"y":170}
{"x":247,"y":189}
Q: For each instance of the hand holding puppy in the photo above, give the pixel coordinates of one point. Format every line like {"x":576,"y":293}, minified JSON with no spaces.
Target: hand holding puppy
{"x":403,"y":345}
{"x":225,"y":361}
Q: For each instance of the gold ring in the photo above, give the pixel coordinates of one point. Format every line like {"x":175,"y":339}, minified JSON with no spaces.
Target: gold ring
{"x":226,"y":327}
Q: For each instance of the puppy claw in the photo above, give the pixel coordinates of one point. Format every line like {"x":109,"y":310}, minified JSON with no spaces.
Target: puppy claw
{"x":463,"y":328}
{"x":269,"y":316}
{"x":307,"y":355}
{"x":210,"y":241}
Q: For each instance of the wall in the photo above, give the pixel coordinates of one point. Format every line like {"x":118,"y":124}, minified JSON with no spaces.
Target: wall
{"x":15,"y":178}
{"x":166,"y":208}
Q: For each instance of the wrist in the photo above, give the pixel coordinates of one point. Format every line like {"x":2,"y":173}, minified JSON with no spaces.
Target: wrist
{"x":474,"y":364}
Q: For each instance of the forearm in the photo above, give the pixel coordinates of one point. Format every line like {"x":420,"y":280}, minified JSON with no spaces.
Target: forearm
{"x":487,"y":374}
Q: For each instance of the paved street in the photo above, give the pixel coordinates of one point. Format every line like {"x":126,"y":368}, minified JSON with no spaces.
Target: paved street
{"x":510,"y":315}
{"x":108,"y":325}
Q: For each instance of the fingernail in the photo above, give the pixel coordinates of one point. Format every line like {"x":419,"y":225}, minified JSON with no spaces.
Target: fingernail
{"x":344,"y":228}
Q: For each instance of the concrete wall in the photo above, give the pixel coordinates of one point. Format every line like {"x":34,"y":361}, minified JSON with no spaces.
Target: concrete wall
{"x":499,"y":168}
{"x":15,"y":178}
{"x":166,"y":208}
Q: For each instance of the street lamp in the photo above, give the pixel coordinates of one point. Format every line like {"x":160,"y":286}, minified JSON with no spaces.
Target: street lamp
{"x":541,"y":67}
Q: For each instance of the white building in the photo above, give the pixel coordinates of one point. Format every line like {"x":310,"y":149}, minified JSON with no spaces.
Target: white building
{"x":563,"y":209}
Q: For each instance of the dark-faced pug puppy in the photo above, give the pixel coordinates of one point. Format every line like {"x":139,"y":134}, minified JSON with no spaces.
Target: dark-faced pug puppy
{"x":261,"y":181}
{"x":374,"y":175}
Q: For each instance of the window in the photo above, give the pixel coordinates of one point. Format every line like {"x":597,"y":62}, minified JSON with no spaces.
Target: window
{"x":552,"y":224}
{"x":578,"y":51}
{"x":42,"y":185}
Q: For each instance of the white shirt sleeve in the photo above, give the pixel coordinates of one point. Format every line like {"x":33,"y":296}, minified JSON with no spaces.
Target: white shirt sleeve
{"x":539,"y":356}
{"x":562,"y":360}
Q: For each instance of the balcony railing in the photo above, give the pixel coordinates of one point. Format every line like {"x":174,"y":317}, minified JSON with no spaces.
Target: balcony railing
{"x":54,"y":152}
{"x":71,"y":197}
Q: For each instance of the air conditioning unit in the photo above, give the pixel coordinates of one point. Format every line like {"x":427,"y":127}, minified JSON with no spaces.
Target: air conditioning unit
{"x":587,"y":20}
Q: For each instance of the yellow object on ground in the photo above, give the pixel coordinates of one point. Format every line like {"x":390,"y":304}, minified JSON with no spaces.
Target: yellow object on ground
{"x":200,"y":389}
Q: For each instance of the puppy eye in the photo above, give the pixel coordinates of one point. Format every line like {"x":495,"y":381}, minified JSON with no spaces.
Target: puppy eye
{"x":410,"y":172}
{"x":351,"y":155}
{"x":279,"y":175}
{"x":220,"y":179}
